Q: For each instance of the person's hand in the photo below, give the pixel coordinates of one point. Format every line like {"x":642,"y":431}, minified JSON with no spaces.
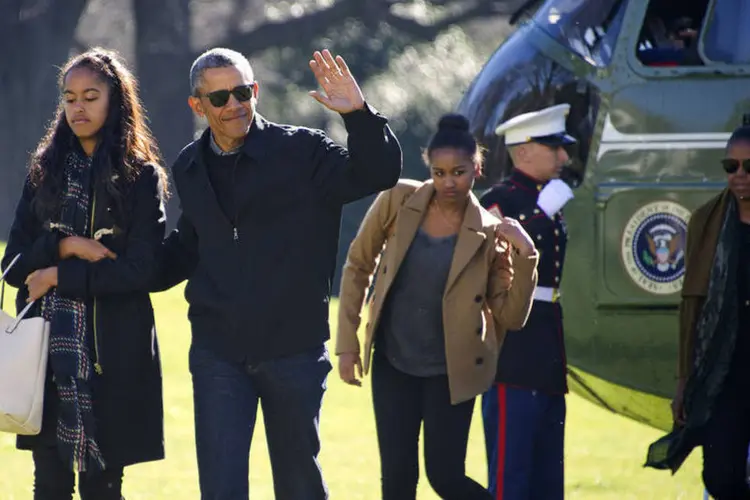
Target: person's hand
{"x":347,"y":362}
{"x":84,"y":248}
{"x":511,"y":230}
{"x":342,"y":93}
{"x":39,"y":283}
{"x":678,"y":406}
{"x":503,"y":265}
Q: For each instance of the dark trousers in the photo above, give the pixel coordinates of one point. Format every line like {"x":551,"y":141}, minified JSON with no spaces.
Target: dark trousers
{"x":53,"y":479}
{"x":726,"y":438}
{"x":402,"y":403}
{"x":524,"y":434}
{"x":226,"y":395}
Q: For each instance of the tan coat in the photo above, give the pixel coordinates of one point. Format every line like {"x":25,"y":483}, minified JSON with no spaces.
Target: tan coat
{"x":702,"y":238}
{"x":477,"y":311}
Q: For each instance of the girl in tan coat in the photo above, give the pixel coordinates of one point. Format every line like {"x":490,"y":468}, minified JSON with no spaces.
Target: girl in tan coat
{"x":451,"y":280}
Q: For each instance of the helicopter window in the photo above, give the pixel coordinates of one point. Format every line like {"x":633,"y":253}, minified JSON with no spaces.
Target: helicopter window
{"x":669,"y":36}
{"x":588,"y":28}
{"x":727,"y":37}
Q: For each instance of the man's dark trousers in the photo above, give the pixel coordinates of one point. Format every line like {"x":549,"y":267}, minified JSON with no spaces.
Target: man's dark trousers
{"x":524,"y":432}
{"x":226,"y":395}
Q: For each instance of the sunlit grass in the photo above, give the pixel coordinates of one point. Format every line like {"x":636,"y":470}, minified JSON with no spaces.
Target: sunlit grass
{"x":604,"y":452}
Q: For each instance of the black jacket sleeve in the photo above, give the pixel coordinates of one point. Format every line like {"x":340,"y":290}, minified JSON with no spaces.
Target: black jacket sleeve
{"x":505,"y":199}
{"x":178,"y":256}
{"x":371,"y":163}
{"x":131,"y":271}
{"x":37,"y":246}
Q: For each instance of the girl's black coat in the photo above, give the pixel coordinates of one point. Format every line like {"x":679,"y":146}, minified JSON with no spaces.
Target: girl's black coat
{"x":128,"y":393}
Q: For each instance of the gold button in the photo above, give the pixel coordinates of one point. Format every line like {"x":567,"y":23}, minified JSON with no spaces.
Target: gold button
{"x":557,"y":248}
{"x":747,"y":302}
{"x":557,"y":232}
{"x":536,"y":211}
{"x":539,"y":237}
{"x":557,"y":263}
{"x":522,"y":217}
{"x":557,"y":279}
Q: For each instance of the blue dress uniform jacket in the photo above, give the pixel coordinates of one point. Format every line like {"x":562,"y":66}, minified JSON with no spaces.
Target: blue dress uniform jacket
{"x":534,"y":357}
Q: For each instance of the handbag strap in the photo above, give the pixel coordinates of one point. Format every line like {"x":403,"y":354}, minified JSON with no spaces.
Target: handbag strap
{"x":20,"y":316}
{"x":2,"y":279}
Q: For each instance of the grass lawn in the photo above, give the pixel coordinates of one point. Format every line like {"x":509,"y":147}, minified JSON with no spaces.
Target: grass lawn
{"x":604,"y":452}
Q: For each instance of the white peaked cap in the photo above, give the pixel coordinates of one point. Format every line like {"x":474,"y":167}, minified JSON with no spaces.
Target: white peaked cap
{"x":546,"y":126}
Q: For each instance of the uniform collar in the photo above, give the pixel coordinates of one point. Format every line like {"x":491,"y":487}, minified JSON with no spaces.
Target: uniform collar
{"x":525,"y":181}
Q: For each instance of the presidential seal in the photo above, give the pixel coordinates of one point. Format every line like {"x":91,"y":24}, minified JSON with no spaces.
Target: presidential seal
{"x":653,"y":247}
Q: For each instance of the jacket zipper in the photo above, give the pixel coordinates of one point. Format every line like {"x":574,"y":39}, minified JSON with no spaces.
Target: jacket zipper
{"x":97,"y":365}
{"x":235,"y":222}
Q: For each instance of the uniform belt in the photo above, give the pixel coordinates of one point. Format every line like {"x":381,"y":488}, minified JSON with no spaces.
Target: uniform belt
{"x":546,"y":294}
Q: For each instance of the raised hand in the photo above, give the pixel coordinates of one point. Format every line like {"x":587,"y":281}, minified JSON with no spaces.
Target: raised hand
{"x":341,"y":93}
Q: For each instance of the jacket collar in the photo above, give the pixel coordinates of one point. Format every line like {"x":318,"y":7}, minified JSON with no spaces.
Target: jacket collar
{"x":705,"y":226}
{"x":470,"y":234}
{"x":422,"y":197}
{"x":255,"y":145}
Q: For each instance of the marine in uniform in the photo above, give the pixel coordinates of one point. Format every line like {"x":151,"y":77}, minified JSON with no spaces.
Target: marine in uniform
{"x":524,"y":411}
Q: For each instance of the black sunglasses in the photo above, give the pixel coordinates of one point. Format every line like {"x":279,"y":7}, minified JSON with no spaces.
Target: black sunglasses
{"x":220,"y":98}
{"x":731,"y":165}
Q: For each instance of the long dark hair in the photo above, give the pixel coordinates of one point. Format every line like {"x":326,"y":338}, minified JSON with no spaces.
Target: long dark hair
{"x":125,"y":142}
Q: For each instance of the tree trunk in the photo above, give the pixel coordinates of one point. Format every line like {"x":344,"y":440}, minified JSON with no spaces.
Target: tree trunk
{"x":35,"y":40}
{"x":163,"y":59}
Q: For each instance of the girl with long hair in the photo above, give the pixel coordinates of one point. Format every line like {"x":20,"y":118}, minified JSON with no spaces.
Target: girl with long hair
{"x":86,"y":232}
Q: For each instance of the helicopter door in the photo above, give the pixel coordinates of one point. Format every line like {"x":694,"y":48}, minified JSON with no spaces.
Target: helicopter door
{"x":662,"y":139}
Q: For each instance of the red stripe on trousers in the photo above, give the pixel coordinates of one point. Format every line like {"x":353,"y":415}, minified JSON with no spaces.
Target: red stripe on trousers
{"x":501,"y":428}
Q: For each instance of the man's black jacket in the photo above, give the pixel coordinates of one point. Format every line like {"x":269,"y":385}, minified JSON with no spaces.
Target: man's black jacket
{"x":259,"y":282}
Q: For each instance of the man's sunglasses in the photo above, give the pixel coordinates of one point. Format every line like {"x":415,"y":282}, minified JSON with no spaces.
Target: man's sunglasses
{"x":731,"y":165}
{"x":220,"y":98}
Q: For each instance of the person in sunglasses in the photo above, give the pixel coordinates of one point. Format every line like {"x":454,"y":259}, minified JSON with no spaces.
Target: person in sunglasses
{"x":711,"y":407}
{"x":257,"y":240}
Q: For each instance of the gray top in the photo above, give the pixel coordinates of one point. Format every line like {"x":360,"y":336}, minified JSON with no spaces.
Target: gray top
{"x":410,"y":331}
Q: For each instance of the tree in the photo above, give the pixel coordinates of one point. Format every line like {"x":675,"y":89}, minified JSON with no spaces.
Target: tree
{"x":303,"y":30}
{"x":36,"y":38}
{"x":163,"y":59}
{"x":278,"y":37}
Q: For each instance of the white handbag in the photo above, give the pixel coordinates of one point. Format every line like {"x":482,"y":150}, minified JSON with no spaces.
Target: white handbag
{"x":23,"y":368}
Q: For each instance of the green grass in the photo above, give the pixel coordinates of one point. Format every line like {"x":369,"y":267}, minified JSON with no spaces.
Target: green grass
{"x":604,"y":452}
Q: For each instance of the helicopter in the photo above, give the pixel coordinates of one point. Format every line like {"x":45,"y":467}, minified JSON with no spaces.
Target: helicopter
{"x":656,"y":88}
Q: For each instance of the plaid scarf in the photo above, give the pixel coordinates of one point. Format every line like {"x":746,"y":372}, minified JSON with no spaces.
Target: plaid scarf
{"x":69,"y":354}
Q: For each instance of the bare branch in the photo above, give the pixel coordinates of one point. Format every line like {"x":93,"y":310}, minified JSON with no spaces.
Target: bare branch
{"x":303,"y":30}
{"x":298,"y":31}
{"x":429,"y":32}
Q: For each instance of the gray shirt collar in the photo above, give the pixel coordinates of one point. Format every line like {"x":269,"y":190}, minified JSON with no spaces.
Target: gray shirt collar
{"x":220,"y":152}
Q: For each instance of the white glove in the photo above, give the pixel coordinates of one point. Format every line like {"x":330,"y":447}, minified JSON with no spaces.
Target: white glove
{"x":554,"y":196}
